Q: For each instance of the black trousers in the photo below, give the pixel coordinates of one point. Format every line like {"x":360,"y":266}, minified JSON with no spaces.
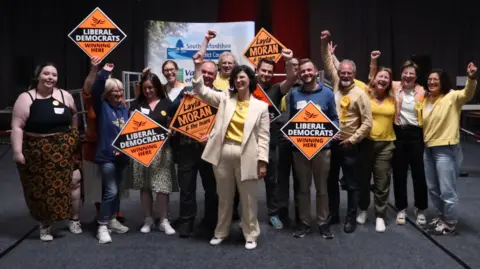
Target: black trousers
{"x":408,"y":152}
{"x":285,"y":166}
{"x":189,"y":164}
{"x":271,"y":187}
{"x":348,"y":160}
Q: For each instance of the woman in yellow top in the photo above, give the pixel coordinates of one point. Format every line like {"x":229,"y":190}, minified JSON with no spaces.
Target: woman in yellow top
{"x":380,"y":143}
{"x":237,"y":148}
{"x":442,"y":157}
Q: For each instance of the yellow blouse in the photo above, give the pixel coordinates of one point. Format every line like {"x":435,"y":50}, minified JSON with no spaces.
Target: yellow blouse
{"x":383,"y":115}
{"x":221,"y":83}
{"x":235,"y":128}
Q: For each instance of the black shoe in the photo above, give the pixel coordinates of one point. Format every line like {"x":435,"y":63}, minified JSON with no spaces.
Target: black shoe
{"x":324,"y":230}
{"x":350,"y":226}
{"x":333,"y":220}
{"x":185,"y":229}
{"x":302,"y":230}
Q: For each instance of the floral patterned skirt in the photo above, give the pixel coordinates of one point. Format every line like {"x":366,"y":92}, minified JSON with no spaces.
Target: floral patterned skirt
{"x":160,"y":176}
{"x":47,"y":174}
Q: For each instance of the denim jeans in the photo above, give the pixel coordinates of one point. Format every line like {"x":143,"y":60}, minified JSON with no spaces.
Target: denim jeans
{"x":112,"y":176}
{"x":442,"y":165}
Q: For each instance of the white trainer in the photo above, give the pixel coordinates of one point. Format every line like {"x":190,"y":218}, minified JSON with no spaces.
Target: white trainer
{"x":216,"y":241}
{"x":115,"y":226}
{"x":380,"y":225}
{"x":362,"y":217}
{"x":166,"y":227}
{"x":401,"y":216}
{"x":46,"y":233}
{"x":250,"y":245}
{"x":103,"y":235}
{"x":75,"y":227}
{"x":147,"y":225}
{"x":421,"y":217}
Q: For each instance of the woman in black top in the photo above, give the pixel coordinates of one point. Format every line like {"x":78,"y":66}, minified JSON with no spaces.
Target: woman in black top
{"x":160,"y":175}
{"x":47,"y":151}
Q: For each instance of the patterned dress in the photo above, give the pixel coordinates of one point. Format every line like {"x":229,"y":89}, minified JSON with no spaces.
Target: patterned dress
{"x":46,"y":175}
{"x":160,"y":176}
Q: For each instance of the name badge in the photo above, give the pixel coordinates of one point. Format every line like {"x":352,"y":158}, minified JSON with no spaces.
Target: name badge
{"x":145,"y":111}
{"x":301,"y":104}
{"x":59,"y":110}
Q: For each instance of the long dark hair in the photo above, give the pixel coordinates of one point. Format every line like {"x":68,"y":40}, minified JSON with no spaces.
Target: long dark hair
{"x":36,"y":74}
{"x":445,"y":82}
{"x":159,"y":89}
{"x":250,"y":74}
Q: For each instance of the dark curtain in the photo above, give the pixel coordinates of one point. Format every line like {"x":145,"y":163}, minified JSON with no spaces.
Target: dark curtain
{"x":445,"y":32}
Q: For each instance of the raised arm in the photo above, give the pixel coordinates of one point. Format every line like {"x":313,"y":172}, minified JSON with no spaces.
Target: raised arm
{"x":373,"y":64}
{"x":331,"y":50}
{"x":21,"y":111}
{"x":327,"y":59}
{"x":208,"y":95}
{"x":98,"y":87}
{"x":87,"y":85}
{"x":288,"y":83}
{"x":465,"y":95}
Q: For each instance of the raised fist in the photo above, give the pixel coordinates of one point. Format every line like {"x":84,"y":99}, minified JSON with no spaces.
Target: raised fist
{"x":375,"y":54}
{"x":287,"y":54}
{"x":324,"y":35}
{"x":108,"y":67}
{"x":95,"y":61}
{"x":471,"y":71}
{"x":211,"y":35}
{"x":197,"y":58}
{"x":147,"y":70}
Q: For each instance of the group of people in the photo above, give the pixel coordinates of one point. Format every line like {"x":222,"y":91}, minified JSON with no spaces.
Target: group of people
{"x":385,"y":127}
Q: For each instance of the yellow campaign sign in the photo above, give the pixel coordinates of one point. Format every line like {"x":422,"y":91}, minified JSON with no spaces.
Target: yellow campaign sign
{"x":97,"y":35}
{"x":310,"y":130}
{"x":263,"y":46}
{"x":194,"y":118}
{"x":141,"y":138}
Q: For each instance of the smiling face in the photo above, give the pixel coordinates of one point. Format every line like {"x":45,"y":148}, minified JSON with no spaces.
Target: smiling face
{"x":346,"y":74}
{"x":170,"y":72}
{"x":242,"y":82}
{"x":265,"y":73}
{"x":307,"y":73}
{"x":209,"y":73}
{"x":227,"y":63}
{"x":409,"y":75}
{"x":382,"y":81}
{"x":48,"y":77}
{"x":148,"y":90}
{"x":433,"y":83}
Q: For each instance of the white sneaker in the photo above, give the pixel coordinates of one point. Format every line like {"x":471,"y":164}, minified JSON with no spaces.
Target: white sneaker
{"x":380,"y":225}
{"x":46,"y":233}
{"x":362,"y":217}
{"x":166,"y":227}
{"x":250,"y":245}
{"x":147,"y":225}
{"x":75,"y":227}
{"x":421,"y":217}
{"x":103,"y":235}
{"x":216,"y":241}
{"x":115,"y":226}
{"x":401,"y":216}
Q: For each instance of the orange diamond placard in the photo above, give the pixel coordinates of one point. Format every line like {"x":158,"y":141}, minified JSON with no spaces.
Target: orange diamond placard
{"x":273,"y":111}
{"x":194,"y":118}
{"x":310,"y":130}
{"x":97,"y":35}
{"x":141,"y":138}
{"x":263,"y":46}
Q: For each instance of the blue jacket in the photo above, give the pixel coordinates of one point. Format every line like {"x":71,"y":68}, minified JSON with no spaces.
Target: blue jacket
{"x":110,"y":121}
{"x":322,"y":95}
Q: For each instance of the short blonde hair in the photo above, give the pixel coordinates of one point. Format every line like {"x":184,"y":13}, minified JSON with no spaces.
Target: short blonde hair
{"x":110,"y":84}
{"x":225,"y":54}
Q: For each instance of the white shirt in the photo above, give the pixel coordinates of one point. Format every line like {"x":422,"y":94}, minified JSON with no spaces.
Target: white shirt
{"x":174,"y":92}
{"x":408,"y":115}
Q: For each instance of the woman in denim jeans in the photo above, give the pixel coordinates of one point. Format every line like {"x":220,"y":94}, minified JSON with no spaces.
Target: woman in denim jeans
{"x":111,"y":114}
{"x":441,"y":119}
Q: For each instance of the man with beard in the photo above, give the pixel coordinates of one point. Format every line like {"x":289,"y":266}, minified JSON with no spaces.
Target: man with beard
{"x":265,"y":69}
{"x":353,"y":108}
{"x":318,"y":167}
{"x":190,"y":163}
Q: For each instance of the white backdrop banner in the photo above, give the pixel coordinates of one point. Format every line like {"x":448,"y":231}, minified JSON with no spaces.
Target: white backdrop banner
{"x":179,"y":41}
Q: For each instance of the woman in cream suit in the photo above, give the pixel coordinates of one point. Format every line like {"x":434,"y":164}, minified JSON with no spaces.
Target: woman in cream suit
{"x":237,"y":148}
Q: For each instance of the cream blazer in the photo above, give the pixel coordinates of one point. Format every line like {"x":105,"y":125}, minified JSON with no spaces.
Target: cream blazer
{"x":256,"y":131}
